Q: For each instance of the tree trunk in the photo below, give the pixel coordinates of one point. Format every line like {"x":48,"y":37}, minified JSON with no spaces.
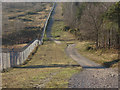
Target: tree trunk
{"x":118,"y":45}
{"x":97,"y":44}
{"x":118,"y":31}
{"x":109,"y":40}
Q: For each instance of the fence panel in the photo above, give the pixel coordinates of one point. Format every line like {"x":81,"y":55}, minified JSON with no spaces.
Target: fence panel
{"x":8,"y":60}
{"x":1,"y":65}
{"x":4,"y":60}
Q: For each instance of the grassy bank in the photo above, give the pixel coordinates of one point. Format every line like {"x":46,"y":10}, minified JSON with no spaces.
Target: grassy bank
{"x":105,"y":57}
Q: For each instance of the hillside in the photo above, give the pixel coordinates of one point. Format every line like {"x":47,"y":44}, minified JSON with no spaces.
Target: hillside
{"x":23,"y":22}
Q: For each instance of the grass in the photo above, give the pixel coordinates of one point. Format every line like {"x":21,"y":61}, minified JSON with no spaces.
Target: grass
{"x":64,"y":37}
{"x":15,"y":46}
{"x":49,"y":59}
{"x":50,"y":67}
{"x":106,"y":57}
{"x":60,"y":80}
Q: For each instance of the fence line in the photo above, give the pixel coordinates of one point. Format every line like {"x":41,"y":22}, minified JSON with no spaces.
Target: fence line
{"x":46,"y":23}
{"x":14,"y":57}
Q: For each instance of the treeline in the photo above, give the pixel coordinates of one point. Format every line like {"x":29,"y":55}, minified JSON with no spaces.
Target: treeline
{"x":97,"y":22}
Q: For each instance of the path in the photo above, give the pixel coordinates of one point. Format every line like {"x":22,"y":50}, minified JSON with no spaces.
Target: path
{"x":49,"y":28}
{"x":93,"y":74}
{"x":84,"y":62}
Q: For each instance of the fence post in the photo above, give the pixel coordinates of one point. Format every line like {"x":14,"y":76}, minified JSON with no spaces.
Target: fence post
{"x":20,"y":58}
{"x":4,"y":60}
{"x":17,"y":59}
{"x":1,"y":66}
{"x":12,"y":57}
{"x":8,"y":60}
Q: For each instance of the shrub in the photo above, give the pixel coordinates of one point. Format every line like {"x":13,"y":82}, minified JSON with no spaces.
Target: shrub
{"x":27,"y":19}
{"x":66,"y":28}
{"x":31,"y":13}
{"x":20,"y":37}
{"x":12,"y":17}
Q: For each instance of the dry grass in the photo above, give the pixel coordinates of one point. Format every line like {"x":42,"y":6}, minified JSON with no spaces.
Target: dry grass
{"x":58,"y":15}
{"x":50,"y":67}
{"x":102,"y":56}
{"x":38,"y":19}
{"x":50,"y":59}
{"x":15,"y":46}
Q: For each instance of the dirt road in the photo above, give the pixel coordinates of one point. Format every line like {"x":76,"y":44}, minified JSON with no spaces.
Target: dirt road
{"x":93,"y":74}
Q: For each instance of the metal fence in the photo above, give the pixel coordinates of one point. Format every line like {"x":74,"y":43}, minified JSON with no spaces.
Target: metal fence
{"x":14,"y":57}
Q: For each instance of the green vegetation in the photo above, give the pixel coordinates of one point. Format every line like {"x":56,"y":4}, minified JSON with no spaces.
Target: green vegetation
{"x":113,"y":13}
{"x":95,"y":22}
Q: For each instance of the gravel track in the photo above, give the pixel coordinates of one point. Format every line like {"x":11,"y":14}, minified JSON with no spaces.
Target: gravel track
{"x":93,"y":74}
{"x":94,"y":78}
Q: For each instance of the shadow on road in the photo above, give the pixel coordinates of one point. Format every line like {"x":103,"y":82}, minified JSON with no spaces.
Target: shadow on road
{"x":109,"y":64}
{"x":49,"y":66}
{"x":61,"y":65}
{"x":93,"y":67}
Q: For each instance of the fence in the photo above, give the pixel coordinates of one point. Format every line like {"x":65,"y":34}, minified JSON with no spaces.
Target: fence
{"x":14,"y":57}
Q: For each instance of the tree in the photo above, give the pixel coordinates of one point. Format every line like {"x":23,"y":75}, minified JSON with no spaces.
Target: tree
{"x":114,"y":16}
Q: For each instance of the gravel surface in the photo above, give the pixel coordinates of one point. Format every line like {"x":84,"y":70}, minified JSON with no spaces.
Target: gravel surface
{"x":94,"y":78}
{"x":84,"y":62}
{"x":93,"y":74}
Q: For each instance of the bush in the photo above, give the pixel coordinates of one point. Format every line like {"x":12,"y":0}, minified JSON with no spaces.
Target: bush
{"x":21,"y":15}
{"x":27,"y":19}
{"x":20,"y":37}
{"x":31,"y":13}
{"x":66,"y":28}
{"x":12,"y":17}
{"x":39,"y":10}
{"x":89,"y":48}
